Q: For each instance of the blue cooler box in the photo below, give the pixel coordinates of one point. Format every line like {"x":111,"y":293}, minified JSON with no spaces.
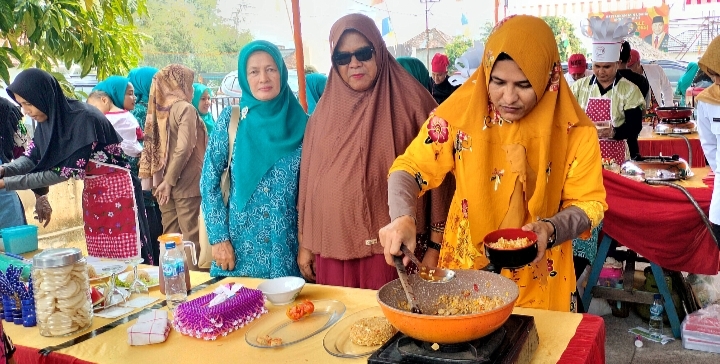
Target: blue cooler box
{"x":20,"y":239}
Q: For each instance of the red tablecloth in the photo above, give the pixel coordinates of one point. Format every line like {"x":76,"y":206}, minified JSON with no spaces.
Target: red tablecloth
{"x":588,"y":344}
{"x":661,"y":224}
{"x":27,"y":355}
{"x":668,"y":146}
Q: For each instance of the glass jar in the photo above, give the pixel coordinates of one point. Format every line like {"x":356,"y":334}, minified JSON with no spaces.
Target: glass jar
{"x":62,"y":292}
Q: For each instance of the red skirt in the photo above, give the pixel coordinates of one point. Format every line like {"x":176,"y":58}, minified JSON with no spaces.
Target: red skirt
{"x":370,"y":272}
{"x":110,"y":213}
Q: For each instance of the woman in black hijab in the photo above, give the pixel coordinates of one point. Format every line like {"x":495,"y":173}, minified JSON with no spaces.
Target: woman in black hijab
{"x":12,"y":212}
{"x":75,"y":140}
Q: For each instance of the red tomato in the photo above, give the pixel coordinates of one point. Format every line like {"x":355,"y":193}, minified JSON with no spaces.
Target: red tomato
{"x":300,"y":310}
{"x":308,"y":307}
{"x":294,"y":312}
{"x":95,"y":295}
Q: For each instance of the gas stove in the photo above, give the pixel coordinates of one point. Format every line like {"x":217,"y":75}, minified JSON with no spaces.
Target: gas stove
{"x":514,"y":342}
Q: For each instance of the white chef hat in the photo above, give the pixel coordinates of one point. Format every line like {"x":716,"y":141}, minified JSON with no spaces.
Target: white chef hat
{"x":607,"y":36}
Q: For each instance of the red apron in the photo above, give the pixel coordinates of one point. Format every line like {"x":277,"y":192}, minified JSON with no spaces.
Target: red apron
{"x":599,"y":110}
{"x":110,"y":213}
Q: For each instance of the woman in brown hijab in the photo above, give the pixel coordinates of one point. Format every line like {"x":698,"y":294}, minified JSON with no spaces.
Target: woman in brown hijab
{"x":368,"y":115}
{"x":175,"y":142}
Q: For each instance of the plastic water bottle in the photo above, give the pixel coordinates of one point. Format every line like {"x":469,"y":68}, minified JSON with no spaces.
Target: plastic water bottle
{"x":656,"y":319}
{"x":173,"y":266}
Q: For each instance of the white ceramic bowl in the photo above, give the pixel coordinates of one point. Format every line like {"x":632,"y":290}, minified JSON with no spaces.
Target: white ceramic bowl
{"x":283,"y":290}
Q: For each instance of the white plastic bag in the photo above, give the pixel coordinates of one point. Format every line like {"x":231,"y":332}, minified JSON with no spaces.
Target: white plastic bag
{"x":706,"y":288}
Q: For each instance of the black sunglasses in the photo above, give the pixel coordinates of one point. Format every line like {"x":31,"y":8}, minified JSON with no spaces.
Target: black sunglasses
{"x":363,"y":54}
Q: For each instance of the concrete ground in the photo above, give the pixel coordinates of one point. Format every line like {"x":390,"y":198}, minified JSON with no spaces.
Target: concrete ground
{"x":620,"y":346}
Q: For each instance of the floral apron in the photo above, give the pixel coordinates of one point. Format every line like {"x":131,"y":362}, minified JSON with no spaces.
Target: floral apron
{"x":599,"y":110}
{"x":110,"y":212}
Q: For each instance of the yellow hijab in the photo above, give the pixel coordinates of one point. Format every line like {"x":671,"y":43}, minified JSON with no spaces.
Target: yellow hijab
{"x":533,"y":145}
{"x":711,"y":60}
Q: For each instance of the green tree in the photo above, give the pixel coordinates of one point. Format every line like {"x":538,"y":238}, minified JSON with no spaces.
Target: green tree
{"x":192,"y":32}
{"x":456,"y":48}
{"x":95,"y":34}
{"x":564,"y":31}
{"x":485,"y":31}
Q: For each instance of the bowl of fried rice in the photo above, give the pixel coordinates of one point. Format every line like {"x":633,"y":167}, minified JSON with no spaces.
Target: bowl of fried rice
{"x":511,"y":248}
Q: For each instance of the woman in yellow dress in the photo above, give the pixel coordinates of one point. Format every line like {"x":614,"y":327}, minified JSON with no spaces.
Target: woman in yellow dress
{"x":524,"y":154}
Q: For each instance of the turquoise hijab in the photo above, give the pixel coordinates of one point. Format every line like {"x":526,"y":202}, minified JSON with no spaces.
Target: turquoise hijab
{"x":269,"y":130}
{"x":142,"y":78}
{"x":314,"y":88}
{"x":115,"y":87}
{"x":416,"y":68}
{"x":199,"y":90}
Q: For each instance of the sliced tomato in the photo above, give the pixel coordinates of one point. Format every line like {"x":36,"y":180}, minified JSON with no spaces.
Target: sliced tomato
{"x":294,"y":312}
{"x":308,"y":307}
{"x":300,"y":310}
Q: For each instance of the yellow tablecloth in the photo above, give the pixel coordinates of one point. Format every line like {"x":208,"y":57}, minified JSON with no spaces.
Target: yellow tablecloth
{"x":696,"y":180}
{"x":554,"y":328}
{"x":30,"y":336}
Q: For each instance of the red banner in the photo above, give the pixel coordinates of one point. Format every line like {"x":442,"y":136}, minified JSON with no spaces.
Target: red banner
{"x":650,"y":24}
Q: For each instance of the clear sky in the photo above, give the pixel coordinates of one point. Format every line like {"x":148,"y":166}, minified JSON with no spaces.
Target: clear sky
{"x":269,"y":19}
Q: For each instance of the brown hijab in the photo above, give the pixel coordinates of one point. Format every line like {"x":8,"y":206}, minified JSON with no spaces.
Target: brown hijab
{"x":351,"y":140}
{"x":171,"y":84}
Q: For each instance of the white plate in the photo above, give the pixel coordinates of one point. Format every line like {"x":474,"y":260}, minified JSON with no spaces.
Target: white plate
{"x":105,"y":268}
{"x":153,"y":272}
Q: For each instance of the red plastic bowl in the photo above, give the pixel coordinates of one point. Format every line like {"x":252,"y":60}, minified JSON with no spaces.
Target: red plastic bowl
{"x":510,"y":258}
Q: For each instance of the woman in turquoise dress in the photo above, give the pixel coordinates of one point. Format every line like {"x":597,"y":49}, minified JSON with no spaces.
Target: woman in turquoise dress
{"x":201,"y":101}
{"x":255,"y":235}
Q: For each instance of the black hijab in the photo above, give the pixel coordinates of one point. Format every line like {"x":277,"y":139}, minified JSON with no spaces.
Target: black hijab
{"x":10,"y":115}
{"x":71,"y":125}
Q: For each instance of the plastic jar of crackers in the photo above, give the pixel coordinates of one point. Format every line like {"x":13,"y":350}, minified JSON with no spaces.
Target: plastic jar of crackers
{"x":62,"y":292}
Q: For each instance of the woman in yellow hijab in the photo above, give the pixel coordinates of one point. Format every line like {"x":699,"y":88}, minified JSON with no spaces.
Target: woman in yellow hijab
{"x":524,"y":155}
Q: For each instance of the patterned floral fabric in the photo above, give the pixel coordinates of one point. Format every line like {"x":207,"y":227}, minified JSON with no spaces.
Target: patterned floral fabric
{"x":75,"y":166}
{"x":587,"y":248}
{"x":7,"y":349}
{"x":263,"y":232}
{"x":111,"y":227}
{"x":140,"y":112}
{"x":110,"y":205}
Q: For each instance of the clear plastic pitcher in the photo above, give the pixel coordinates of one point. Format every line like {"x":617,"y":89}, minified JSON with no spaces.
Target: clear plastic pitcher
{"x":177,"y":238}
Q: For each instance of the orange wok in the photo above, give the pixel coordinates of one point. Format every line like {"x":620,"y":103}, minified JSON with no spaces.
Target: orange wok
{"x":448,"y":329}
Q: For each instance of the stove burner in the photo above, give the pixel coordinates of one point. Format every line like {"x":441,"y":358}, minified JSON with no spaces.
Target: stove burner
{"x":478,"y":351}
{"x":502,"y":346}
